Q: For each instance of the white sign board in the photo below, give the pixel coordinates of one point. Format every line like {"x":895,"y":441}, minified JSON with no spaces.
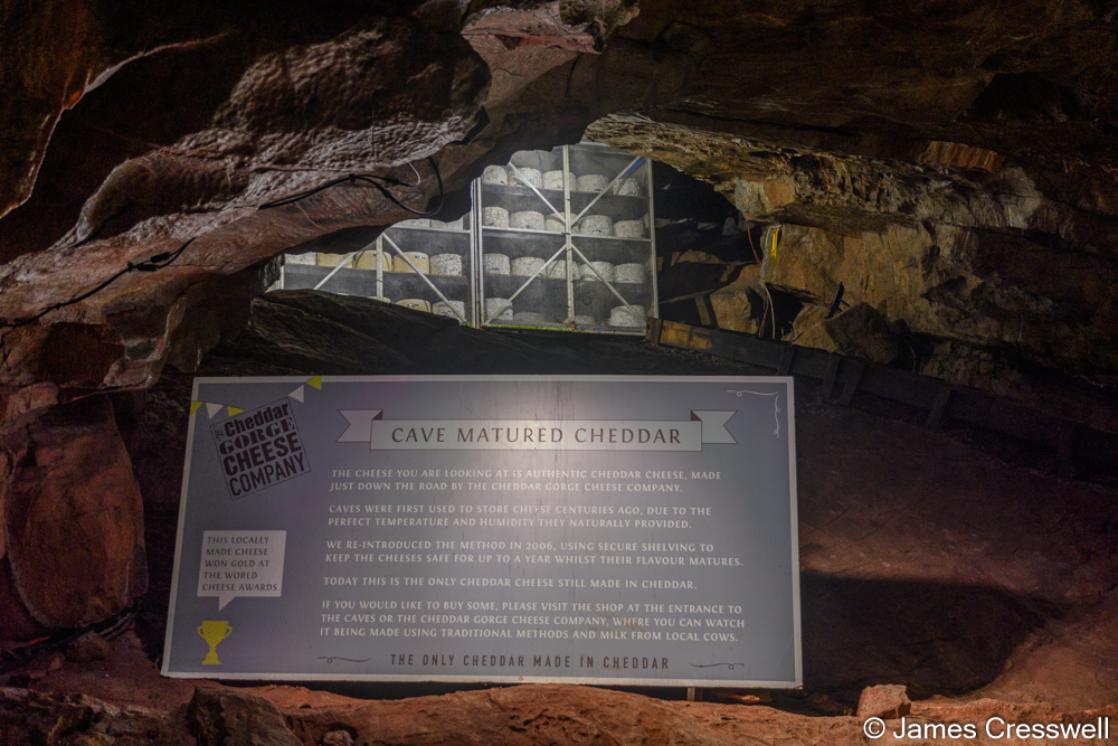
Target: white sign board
{"x":606,"y":530}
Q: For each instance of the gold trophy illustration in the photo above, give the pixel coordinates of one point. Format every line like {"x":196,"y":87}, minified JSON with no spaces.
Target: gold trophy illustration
{"x":213,"y":632}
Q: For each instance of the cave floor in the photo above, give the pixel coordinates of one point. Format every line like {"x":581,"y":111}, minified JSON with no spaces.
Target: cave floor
{"x":982,"y":584}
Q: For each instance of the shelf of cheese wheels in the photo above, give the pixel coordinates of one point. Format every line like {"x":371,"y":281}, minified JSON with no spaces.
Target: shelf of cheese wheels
{"x":422,"y":264}
{"x":558,"y":239}
{"x":566,"y":241}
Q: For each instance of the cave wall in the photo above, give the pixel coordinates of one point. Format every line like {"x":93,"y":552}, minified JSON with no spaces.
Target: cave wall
{"x":951,"y":162}
{"x":1002,"y":286}
{"x":137,"y":132}
{"x":927,"y":562}
{"x":956,"y":173}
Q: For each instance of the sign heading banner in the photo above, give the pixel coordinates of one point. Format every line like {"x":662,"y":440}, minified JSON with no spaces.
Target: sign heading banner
{"x":536,"y":435}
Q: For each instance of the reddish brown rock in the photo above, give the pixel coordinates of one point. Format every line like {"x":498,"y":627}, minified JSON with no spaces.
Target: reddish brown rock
{"x":6,"y":468}
{"x":514,"y":716}
{"x":89,"y":647}
{"x":884,"y":701}
{"x":15,"y":622}
{"x":524,"y":715}
{"x":44,"y":665}
{"x":75,"y":520}
{"x":21,"y":406}
{"x":29,"y":717}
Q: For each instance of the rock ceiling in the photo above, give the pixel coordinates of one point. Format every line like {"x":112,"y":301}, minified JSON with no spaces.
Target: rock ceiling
{"x":951,"y":162}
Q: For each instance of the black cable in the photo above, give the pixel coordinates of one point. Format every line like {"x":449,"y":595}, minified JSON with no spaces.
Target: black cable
{"x":157,"y":262}
{"x":836,"y":302}
{"x":151,"y":264}
{"x":11,"y":660}
{"x":377,"y":182}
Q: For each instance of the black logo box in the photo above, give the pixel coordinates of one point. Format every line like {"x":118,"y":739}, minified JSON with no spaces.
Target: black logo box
{"x":219,"y":437}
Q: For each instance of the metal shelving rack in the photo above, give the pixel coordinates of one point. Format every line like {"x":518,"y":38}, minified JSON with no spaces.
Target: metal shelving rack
{"x":561,"y":290}
{"x":384,"y":270}
{"x":580,"y":298}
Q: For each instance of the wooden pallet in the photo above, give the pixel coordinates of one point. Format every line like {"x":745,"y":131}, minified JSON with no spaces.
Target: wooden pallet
{"x":1075,"y":444}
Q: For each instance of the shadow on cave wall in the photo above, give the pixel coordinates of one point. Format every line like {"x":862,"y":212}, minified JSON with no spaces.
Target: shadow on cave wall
{"x":938,"y":638}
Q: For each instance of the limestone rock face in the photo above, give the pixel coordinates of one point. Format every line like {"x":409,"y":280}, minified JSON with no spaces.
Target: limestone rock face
{"x":738,"y":306}
{"x":230,"y":121}
{"x":859,"y":332}
{"x":73,"y":512}
{"x":1061,"y":312}
{"x":977,"y":239}
{"x":941,"y":174}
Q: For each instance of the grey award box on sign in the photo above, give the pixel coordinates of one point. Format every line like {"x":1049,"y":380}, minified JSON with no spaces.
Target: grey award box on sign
{"x":609,"y":530}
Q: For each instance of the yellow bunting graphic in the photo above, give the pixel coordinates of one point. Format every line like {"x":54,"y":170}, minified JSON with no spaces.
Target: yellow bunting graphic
{"x":212,"y":408}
